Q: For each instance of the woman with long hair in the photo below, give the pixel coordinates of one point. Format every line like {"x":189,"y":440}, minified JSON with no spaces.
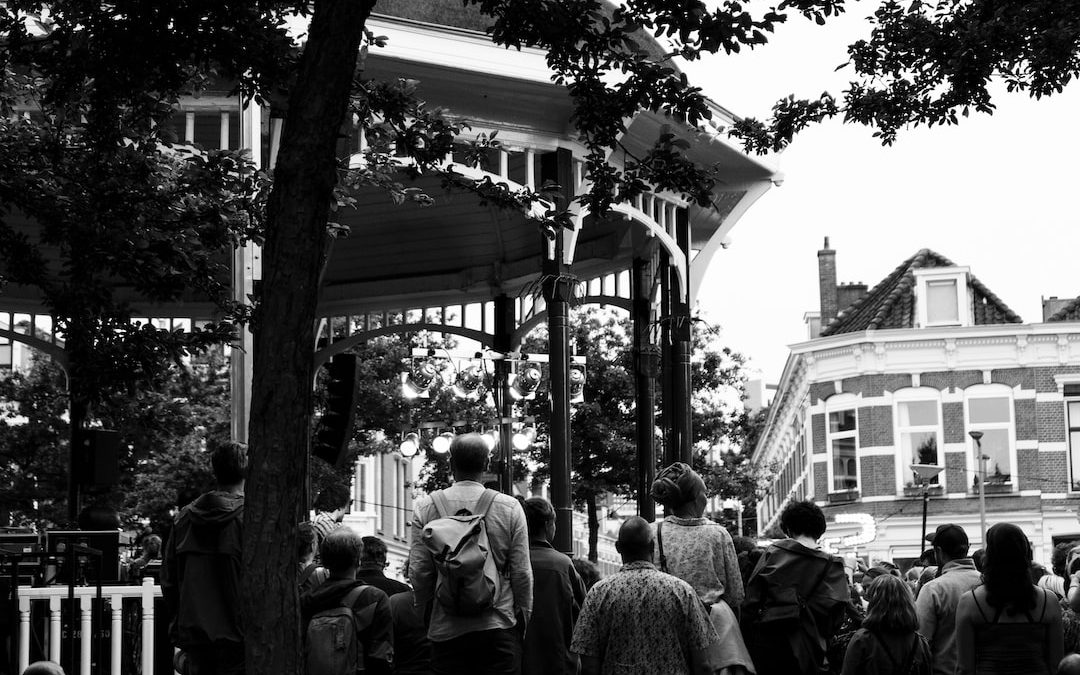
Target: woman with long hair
{"x":887,"y":643}
{"x":1008,"y":625}
{"x":701,"y":553}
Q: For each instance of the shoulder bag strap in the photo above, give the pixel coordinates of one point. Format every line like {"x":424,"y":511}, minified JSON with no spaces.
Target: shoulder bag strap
{"x":438,"y":500}
{"x":483,"y":505}
{"x":660,"y":545}
{"x":910,"y":659}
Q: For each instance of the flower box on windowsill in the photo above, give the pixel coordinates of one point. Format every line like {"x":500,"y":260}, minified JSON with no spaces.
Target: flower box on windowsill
{"x":917,"y":490}
{"x":843,"y":496}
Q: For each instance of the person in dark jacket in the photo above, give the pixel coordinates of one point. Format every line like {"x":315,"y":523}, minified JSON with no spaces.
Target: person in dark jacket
{"x":792,"y":573}
{"x":372,"y":564}
{"x":200,"y":576}
{"x":558,"y":594}
{"x":340,"y":552}
{"x":412,"y":649}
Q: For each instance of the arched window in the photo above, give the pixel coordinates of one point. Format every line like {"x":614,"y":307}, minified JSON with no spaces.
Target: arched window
{"x":988,"y":408}
{"x":842,"y":438}
{"x":918,"y":433}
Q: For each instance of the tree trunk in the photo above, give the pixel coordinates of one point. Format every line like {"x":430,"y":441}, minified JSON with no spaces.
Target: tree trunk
{"x":284,"y":341}
{"x":594,"y":527}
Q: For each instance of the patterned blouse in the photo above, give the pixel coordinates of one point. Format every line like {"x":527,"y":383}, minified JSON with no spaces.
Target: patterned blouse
{"x":701,"y":553}
{"x":640,"y":621}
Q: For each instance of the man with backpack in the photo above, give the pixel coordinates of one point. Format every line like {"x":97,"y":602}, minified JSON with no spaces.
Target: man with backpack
{"x":347,"y":623}
{"x":470,"y":554}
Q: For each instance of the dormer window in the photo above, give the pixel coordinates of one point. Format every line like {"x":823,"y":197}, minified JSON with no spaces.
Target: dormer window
{"x":942,"y":297}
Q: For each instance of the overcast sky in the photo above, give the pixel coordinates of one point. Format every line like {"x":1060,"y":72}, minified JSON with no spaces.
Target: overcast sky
{"x":998,"y":194}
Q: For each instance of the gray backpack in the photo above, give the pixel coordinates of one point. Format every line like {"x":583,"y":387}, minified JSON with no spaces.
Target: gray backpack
{"x":468,"y":581}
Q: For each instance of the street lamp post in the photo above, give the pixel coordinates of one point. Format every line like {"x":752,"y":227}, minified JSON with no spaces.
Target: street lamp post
{"x":926,"y":473}
{"x":977,"y":435}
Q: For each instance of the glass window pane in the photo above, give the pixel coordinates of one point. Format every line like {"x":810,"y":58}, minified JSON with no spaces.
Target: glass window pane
{"x":918,"y":447}
{"x":995,"y":445}
{"x":1074,"y":457}
{"x":1074,"y":413}
{"x":845,"y":476}
{"x":941,"y":304}
{"x":989,"y":410}
{"x":843,"y":420}
{"x":918,"y":413}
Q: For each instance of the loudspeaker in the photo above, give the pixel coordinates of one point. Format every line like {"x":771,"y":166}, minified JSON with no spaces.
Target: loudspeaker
{"x":99,"y":454}
{"x":334,"y":430}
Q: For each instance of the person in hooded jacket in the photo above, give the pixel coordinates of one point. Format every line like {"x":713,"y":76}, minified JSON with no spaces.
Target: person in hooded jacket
{"x":200,"y":576}
{"x":796,"y":598}
{"x":340,"y":552}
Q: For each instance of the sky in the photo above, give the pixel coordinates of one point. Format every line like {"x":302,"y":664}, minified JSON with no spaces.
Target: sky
{"x":998,"y":194}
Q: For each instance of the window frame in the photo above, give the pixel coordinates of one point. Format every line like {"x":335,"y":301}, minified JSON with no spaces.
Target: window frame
{"x":988,"y":391}
{"x":925,"y":277}
{"x":839,"y":404}
{"x":917,"y":395}
{"x":1072,"y":426}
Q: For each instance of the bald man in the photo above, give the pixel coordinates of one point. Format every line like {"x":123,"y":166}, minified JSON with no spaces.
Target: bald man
{"x":642,"y":619}
{"x":43,"y":668}
{"x":1070,"y":665}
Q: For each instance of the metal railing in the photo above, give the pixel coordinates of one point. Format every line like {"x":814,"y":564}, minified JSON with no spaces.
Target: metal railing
{"x":84,"y":597}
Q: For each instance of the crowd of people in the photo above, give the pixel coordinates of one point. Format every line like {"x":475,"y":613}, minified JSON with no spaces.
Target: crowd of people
{"x":685,"y":600}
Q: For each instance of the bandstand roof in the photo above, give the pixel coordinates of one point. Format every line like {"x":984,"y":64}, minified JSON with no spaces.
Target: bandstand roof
{"x":460,"y":251}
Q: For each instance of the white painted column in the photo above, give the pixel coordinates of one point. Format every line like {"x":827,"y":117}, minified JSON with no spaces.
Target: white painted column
{"x":189,"y":127}
{"x":530,"y":169}
{"x":24,"y":633}
{"x":224,"y":137}
{"x":244,"y":273}
{"x":86,"y":633}
{"x":116,"y":634}
{"x":147,"y":607}
{"x":54,"y":629}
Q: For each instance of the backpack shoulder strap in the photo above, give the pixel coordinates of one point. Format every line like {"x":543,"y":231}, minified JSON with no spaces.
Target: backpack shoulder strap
{"x":307,"y":572}
{"x":438,"y":500}
{"x":483,"y":505}
{"x":350,"y":598}
{"x":660,"y":545}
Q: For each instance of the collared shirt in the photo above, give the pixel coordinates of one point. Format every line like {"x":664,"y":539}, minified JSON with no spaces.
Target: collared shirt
{"x":640,"y":621}
{"x":936,"y":607}
{"x":509,"y":540}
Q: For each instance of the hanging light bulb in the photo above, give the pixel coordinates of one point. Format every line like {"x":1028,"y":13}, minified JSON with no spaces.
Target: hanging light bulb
{"x":577,"y":383}
{"x":410,"y":445}
{"x":526,"y":383}
{"x":417,"y":382}
{"x":441,"y":443}
{"x":469,"y":382}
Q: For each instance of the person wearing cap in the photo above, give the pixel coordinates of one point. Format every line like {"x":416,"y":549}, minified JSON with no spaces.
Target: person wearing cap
{"x":937,"y":601}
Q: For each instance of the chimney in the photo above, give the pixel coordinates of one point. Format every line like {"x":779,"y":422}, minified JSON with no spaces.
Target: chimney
{"x":827,"y":283}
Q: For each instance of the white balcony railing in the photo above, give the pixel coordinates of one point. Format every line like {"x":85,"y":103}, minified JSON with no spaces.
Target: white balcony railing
{"x":85,"y":596}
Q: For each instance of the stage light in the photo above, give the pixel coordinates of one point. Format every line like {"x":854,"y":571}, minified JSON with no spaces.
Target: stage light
{"x":441,"y":443}
{"x":577,"y":383}
{"x":417,"y":382}
{"x":491,"y":440}
{"x":526,"y":383}
{"x":410,"y":445}
{"x":469,"y":382}
{"x":521,"y":440}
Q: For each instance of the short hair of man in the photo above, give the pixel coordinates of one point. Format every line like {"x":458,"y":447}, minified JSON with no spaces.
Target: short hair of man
{"x":636,"y":541}
{"x":333,"y":497}
{"x":803,"y":518}
{"x":374,"y":550}
{"x":538,"y":513}
{"x":229,"y":463}
{"x":43,"y":668}
{"x":305,"y":540}
{"x":1070,"y":665}
{"x":468,"y":454}
{"x":341,"y":550}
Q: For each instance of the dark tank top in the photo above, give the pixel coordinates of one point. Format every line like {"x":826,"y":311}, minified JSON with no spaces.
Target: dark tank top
{"x":1010,"y":648}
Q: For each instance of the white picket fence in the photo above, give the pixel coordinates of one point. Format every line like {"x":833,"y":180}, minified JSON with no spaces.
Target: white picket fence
{"x":85,"y":596}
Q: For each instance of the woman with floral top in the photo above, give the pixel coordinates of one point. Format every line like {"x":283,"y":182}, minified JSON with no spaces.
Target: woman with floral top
{"x":701,"y":553}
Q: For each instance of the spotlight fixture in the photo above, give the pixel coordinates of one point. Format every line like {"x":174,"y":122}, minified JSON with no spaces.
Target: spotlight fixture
{"x":526,"y":383}
{"x":469,"y":382}
{"x":410,"y":445}
{"x":523,"y":438}
{"x":441,"y":443}
{"x":491,"y":440}
{"x":417,"y":382}
{"x":577,"y":383}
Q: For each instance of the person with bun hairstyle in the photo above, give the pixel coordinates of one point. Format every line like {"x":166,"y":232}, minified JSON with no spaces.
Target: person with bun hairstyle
{"x":701,"y":553}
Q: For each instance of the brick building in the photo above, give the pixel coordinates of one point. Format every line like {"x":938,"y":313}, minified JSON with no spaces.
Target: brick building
{"x":901,"y":374}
